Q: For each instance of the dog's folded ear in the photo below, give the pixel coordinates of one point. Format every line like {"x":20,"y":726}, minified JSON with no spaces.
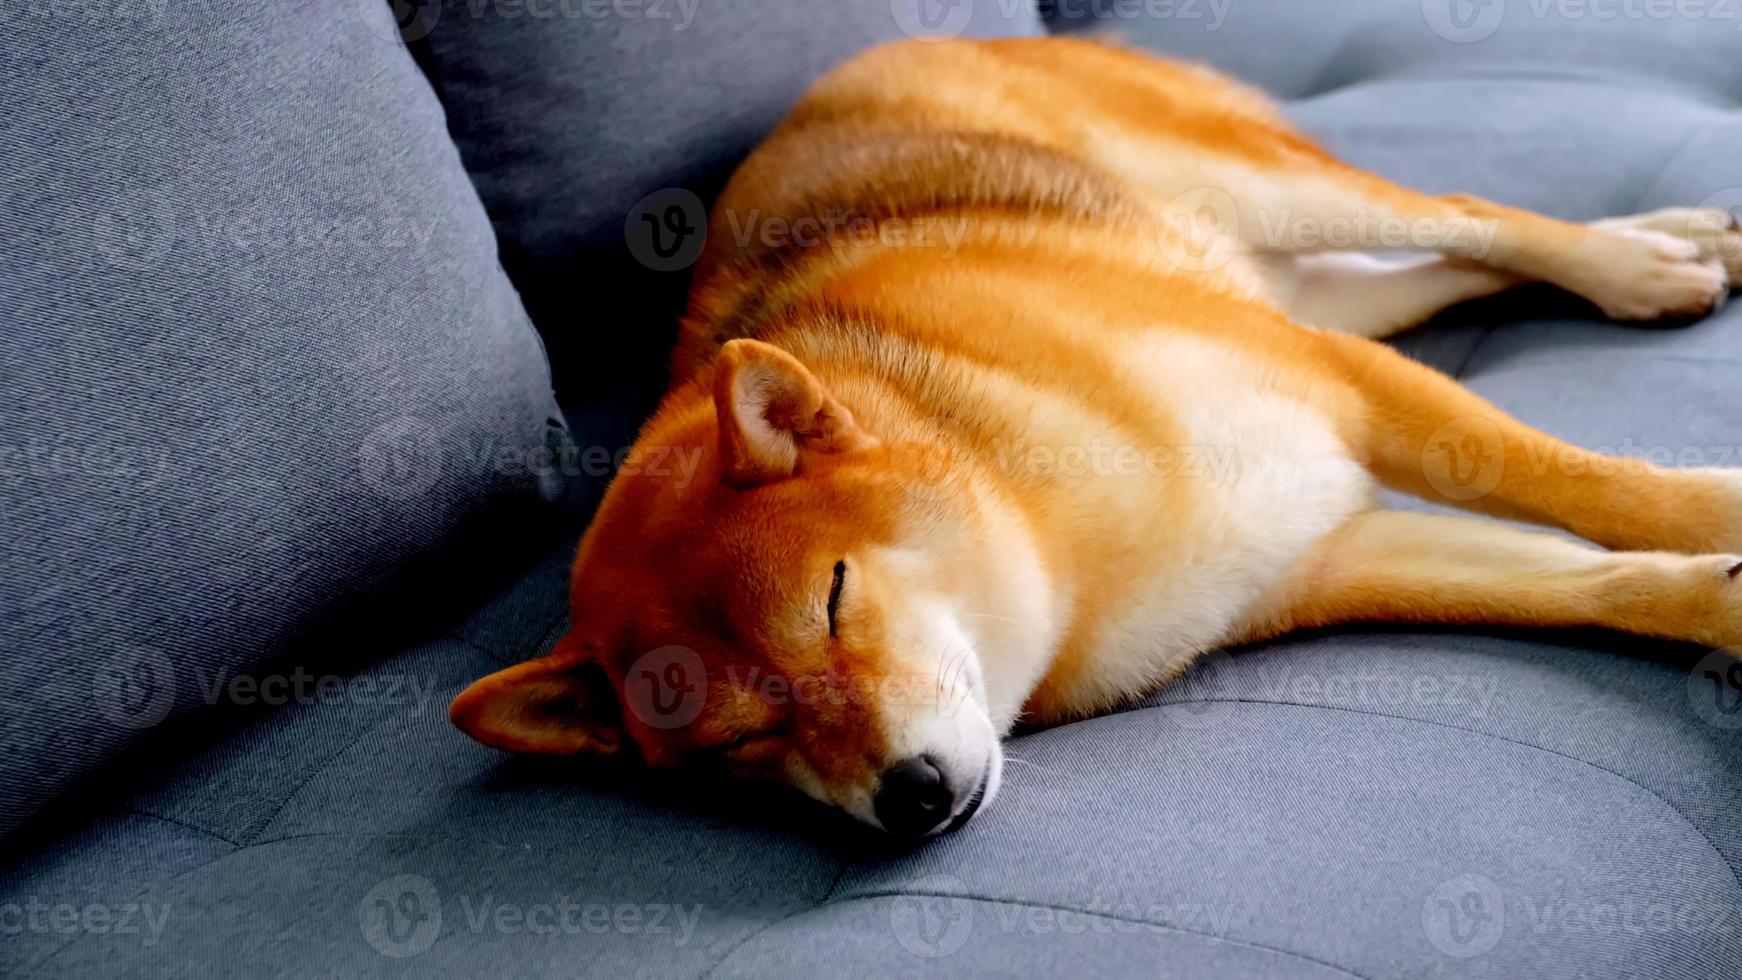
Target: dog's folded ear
{"x":773,"y":413}
{"x":559,"y":704}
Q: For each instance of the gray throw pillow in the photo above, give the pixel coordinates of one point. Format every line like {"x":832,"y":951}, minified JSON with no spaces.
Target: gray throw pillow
{"x":258,"y":358}
{"x":592,"y":126}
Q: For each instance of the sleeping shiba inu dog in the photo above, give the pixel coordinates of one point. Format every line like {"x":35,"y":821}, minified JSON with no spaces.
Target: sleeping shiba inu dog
{"x":1062,"y":371}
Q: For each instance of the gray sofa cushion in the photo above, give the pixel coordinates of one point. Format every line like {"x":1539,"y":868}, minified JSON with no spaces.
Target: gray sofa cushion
{"x":1369,"y":804}
{"x":578,"y":119}
{"x":258,"y":357}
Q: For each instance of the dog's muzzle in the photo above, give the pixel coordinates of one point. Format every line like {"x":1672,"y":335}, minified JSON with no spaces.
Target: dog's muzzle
{"x":917,"y":797}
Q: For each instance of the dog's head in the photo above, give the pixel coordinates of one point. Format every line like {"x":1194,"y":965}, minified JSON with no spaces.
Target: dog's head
{"x":820,"y":604}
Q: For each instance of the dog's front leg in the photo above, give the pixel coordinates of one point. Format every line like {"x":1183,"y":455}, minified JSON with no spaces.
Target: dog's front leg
{"x":1370,"y":296}
{"x":1425,"y":434}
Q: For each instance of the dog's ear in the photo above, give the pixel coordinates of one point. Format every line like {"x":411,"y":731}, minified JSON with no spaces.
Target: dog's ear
{"x":559,"y":704}
{"x":773,"y":413}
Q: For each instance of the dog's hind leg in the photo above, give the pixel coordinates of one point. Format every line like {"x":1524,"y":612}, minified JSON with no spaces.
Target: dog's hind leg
{"x":1396,"y":567}
{"x":1202,"y":144}
{"x":1370,"y":296}
{"x":1674,"y":264}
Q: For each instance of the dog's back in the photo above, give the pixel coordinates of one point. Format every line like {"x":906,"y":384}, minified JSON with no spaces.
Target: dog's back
{"x":995,"y":139}
{"x":942,"y":229}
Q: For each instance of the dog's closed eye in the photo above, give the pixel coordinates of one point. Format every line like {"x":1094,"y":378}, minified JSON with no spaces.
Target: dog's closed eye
{"x":835,"y":595}
{"x":750,"y":751}
{"x":758,"y":747}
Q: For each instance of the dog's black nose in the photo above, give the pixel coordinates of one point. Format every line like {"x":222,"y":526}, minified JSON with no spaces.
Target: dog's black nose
{"x":914,"y":797}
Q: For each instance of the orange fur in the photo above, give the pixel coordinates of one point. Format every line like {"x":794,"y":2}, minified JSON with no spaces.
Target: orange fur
{"x":902,"y":406}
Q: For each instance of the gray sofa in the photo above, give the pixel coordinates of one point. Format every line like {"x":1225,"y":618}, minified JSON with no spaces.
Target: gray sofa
{"x":285,"y":290}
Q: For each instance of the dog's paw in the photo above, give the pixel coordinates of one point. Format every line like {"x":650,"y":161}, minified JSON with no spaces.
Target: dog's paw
{"x":1730,"y":535}
{"x":1646,"y":274}
{"x":1703,"y":603}
{"x":1729,"y":625}
{"x":1717,"y":233}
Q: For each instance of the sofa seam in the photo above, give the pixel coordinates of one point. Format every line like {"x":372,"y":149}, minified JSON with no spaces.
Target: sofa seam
{"x":152,"y":815}
{"x":73,"y":940}
{"x":239,"y":848}
{"x":356,"y":740}
{"x":1717,"y":103}
{"x":826,"y":901}
{"x":828,"y":894}
{"x":346,"y":835}
{"x":302,"y":783}
{"x":1663,"y":169}
{"x":714,"y":968}
{"x":466,"y":637}
{"x":235,"y":848}
{"x":1025,"y":903}
{"x":1531,"y":363}
{"x":1735,"y":874}
{"x":1470,"y":355}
